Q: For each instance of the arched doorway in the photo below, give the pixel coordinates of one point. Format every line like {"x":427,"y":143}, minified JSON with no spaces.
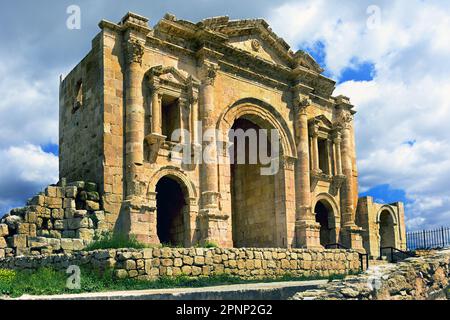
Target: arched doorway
{"x":325,"y":217}
{"x":252,"y":194}
{"x":170,"y":203}
{"x":386,"y":229}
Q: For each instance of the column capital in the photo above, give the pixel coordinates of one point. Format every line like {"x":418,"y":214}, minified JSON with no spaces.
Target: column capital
{"x":208,"y":73}
{"x":344,"y":120}
{"x":134,"y":51}
{"x":301,"y":105}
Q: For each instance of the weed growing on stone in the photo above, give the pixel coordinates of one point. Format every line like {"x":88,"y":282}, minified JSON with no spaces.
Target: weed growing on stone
{"x":110,"y":240}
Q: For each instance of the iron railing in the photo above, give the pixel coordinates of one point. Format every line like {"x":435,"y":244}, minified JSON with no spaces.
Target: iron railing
{"x":363,"y":257}
{"x":394,"y":254}
{"x":428,"y":239}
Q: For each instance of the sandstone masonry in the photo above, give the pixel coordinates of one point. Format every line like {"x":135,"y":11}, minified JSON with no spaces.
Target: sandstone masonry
{"x":64,"y":218}
{"x":151,"y":263}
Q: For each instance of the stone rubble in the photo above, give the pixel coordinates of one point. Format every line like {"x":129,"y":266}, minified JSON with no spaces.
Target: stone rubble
{"x":64,"y":218}
{"x":420,"y":278}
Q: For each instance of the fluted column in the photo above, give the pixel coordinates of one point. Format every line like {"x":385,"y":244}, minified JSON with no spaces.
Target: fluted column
{"x":307,"y":230}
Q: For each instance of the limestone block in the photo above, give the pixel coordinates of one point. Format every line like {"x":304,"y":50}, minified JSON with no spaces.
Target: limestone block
{"x":38,"y":200}
{"x":85,"y":234}
{"x":79,"y":213}
{"x":167,"y":262}
{"x":69,"y":203}
{"x":3,"y":243}
{"x":54,"y":192}
{"x":2,"y":253}
{"x":196,"y":271}
{"x":92,"y":206}
{"x":31,"y":217}
{"x":3,"y":230}
{"x":68,"y":234}
{"x":78,"y":244}
{"x":55,"y":234}
{"x":178,"y":262}
{"x":130,"y":264}
{"x":19,"y":241}
{"x":188,"y":260}
{"x":121,"y":273}
{"x":53,"y":202}
{"x":147,"y":253}
{"x":67,"y":244}
{"x":186,"y":270}
{"x":71,"y":192}
{"x":199,"y":260}
{"x":58,"y":225}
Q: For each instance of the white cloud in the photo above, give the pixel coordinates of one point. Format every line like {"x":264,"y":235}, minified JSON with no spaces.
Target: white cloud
{"x":406,"y":101}
{"x":25,"y":170}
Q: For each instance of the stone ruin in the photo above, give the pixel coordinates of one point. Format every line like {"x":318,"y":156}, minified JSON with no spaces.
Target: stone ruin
{"x":62,"y":219}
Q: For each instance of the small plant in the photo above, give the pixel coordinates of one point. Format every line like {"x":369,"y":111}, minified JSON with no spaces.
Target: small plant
{"x":6,"y":279}
{"x":110,"y":240}
{"x":207,"y":244}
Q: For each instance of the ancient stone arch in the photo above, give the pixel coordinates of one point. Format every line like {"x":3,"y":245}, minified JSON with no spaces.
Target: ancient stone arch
{"x":190,"y":209}
{"x":391,"y":212}
{"x":387,"y":234}
{"x":282,"y":183}
{"x":262,"y":114}
{"x":334,"y":218}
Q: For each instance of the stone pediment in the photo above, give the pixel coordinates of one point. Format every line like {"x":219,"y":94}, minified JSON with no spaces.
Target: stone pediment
{"x":253,"y":36}
{"x":170,"y":75}
{"x":322,"y":122}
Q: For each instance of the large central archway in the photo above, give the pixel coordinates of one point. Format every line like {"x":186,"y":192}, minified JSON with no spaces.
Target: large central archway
{"x":170,"y":202}
{"x":253,"y":194}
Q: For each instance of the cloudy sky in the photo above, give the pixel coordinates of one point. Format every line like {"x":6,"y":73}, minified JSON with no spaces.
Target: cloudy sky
{"x":391,"y":57}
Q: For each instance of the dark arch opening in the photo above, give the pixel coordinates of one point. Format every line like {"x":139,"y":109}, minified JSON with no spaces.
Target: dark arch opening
{"x":170,"y":202}
{"x":323,"y":214}
{"x":252,"y":195}
{"x":387,"y":231}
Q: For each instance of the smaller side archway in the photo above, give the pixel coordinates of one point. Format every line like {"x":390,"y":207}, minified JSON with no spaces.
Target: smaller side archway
{"x":326,"y":213}
{"x":387,"y":225}
{"x":174,"y":197}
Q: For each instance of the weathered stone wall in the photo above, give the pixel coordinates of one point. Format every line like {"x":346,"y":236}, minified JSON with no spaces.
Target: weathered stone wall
{"x":155,"y":262}
{"x":370,"y":218}
{"x":81,"y":119}
{"x":62,"y":219}
{"x":419,"y":278}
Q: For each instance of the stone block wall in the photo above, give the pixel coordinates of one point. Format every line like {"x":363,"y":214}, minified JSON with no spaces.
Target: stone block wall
{"x":64,"y":218}
{"x":151,"y":263}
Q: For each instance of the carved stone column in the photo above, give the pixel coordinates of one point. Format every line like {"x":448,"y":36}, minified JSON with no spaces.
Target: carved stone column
{"x":134,"y":115}
{"x":349,"y":206}
{"x":214,"y":224}
{"x":307,"y":230}
{"x":337,"y":153}
{"x":351,"y":233}
{"x":156,"y":111}
{"x":315,"y":148}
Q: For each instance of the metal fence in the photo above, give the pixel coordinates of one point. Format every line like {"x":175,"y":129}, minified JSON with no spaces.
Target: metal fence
{"x":428,"y":239}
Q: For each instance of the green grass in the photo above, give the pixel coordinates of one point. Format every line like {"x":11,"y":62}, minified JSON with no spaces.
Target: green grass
{"x":109,"y":240}
{"x":47,"y":281}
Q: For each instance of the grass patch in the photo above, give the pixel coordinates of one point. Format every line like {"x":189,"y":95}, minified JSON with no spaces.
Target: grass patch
{"x":47,"y":281}
{"x":110,"y":240}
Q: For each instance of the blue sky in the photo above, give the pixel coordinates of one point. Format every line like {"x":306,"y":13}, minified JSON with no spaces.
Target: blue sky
{"x":388,"y":58}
